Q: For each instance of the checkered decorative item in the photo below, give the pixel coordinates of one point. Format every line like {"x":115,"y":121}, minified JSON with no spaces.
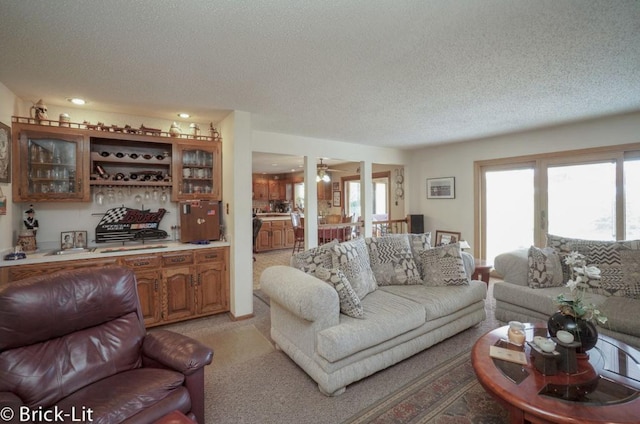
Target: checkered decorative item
{"x":545,"y":269}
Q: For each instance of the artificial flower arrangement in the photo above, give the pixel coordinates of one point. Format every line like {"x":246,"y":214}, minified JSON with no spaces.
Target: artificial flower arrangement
{"x":583,"y":276}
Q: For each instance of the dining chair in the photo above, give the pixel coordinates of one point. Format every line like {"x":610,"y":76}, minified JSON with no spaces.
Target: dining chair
{"x":298,"y":232}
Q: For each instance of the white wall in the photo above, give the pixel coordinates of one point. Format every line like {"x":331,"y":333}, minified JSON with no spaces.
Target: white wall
{"x":456,"y":160}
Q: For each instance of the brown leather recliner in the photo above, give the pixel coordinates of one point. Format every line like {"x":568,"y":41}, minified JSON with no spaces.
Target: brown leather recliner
{"x":75,"y":342}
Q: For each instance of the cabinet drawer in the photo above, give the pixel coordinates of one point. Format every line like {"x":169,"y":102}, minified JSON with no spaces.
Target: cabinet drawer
{"x":177,"y":259}
{"x":277,"y":224}
{"x":142,"y":262}
{"x":213,"y":255}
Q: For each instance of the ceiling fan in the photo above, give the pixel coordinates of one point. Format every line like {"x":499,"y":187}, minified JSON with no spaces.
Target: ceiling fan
{"x":322,"y":172}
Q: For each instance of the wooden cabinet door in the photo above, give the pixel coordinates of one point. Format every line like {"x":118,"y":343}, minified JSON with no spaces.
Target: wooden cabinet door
{"x":277,"y":235}
{"x":178,"y":293}
{"x":264,"y":237}
{"x":260,"y":187}
{"x":49,"y":165}
{"x":197,"y":171}
{"x":289,"y":235}
{"x":274,"y":190}
{"x":211,"y":292}
{"x":149,"y":294}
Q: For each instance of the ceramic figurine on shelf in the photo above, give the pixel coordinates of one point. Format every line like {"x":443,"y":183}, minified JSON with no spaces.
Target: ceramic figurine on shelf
{"x":175,"y":130}
{"x":214,"y":132}
{"x":39,"y":111}
{"x":30,"y":222}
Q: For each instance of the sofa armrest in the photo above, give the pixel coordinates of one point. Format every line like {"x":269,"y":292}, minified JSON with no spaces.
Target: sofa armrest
{"x":302,"y":294}
{"x":176,"y":351}
{"x":513,"y":266}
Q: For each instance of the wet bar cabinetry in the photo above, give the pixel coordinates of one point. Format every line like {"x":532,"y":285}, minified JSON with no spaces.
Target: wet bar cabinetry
{"x":53,"y":163}
{"x":172,"y":286}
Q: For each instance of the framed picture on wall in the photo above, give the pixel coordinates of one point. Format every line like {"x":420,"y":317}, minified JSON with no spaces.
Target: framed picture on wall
{"x":5,"y":153}
{"x":336,"y":186}
{"x":337,"y":199}
{"x":441,"y":188}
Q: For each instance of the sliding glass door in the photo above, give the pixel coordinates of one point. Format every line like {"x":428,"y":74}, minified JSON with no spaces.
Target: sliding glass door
{"x":591,"y":194}
{"x":509,"y":211}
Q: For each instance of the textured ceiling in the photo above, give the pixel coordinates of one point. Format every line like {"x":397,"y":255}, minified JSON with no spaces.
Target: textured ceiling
{"x":377,"y":72}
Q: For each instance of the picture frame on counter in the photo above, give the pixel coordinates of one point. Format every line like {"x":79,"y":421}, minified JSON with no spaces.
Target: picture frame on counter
{"x":447,"y":237}
{"x":80,"y":239}
{"x":66,"y":240}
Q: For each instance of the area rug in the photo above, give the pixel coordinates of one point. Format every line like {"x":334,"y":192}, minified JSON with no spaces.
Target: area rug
{"x":449,"y":394}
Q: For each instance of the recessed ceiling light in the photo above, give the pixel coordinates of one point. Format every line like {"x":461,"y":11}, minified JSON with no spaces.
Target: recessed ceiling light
{"x":77,"y":101}
{"x":184,"y":115}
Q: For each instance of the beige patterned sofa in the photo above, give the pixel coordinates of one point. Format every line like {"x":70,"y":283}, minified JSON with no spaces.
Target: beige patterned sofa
{"x":345,"y":311}
{"x":533,"y":277}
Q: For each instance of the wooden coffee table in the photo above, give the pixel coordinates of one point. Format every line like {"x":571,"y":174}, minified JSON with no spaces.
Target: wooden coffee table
{"x":606,"y":388}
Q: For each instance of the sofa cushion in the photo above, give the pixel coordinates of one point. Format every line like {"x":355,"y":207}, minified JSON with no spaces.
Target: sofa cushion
{"x":387,"y":316}
{"x":419,"y":243}
{"x":618,"y":261}
{"x":622,"y":315}
{"x":309,"y":260}
{"x":352,"y":258}
{"x":443,"y":266}
{"x":116,"y":398}
{"x":513,"y":266}
{"x":392,"y":260}
{"x":441,"y":301}
{"x":349,"y":301}
{"x":540,"y":300}
{"x":545,"y":269}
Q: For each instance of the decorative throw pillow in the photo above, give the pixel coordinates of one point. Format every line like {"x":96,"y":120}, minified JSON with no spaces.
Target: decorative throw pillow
{"x":419,"y":243}
{"x":443,"y":266}
{"x":392,"y":261}
{"x":618,"y":261}
{"x":311,"y":259}
{"x":349,"y":301}
{"x":545,"y":269}
{"x":352,"y":258}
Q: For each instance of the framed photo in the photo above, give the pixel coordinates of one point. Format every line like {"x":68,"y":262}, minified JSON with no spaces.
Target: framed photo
{"x":5,"y":153}
{"x":66,"y":240}
{"x":441,"y":188}
{"x":446,"y":237}
{"x":80,"y":238}
{"x":337,"y":198}
{"x":336,"y":186}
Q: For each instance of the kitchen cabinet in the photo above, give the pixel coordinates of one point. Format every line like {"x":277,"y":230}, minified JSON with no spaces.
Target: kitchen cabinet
{"x":276,"y":234}
{"x":260,"y":186}
{"x":55,"y":163}
{"x":148,"y":277}
{"x":172,"y":286}
{"x":197,"y":171}
{"x":49,"y":165}
{"x":212,"y":289}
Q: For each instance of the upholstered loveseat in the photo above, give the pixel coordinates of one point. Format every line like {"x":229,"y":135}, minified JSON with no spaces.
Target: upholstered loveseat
{"x":74,"y":342}
{"x":533,"y":277}
{"x":345,"y":311}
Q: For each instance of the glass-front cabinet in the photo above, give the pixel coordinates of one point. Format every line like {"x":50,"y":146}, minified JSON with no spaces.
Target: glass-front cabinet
{"x":197,"y":170}
{"x":50,"y":166}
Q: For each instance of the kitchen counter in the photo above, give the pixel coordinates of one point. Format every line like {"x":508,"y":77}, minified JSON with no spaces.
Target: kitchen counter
{"x":45,"y":256}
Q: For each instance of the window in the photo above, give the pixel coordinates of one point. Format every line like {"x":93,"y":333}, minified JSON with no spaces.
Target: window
{"x":381,"y":195}
{"x":591,"y":194}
